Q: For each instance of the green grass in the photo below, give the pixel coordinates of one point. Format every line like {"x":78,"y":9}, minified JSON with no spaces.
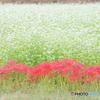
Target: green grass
{"x":38,"y":94}
{"x":32,"y":34}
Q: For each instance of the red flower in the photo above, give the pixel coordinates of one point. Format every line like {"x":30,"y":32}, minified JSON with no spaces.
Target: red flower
{"x":97,"y":68}
{"x":66,"y":68}
{"x":32,"y":79}
{"x":51,"y":74}
{"x":3,"y":77}
{"x":87,"y":79}
{"x":11,"y":62}
{"x":97,"y":77}
{"x":69,"y":62}
{"x":92,"y":71}
{"x":57,"y":65}
{"x":20,"y":68}
{"x":77,"y":68}
{"x":75,"y":76}
{"x":40,"y":70}
{"x":5,"y":71}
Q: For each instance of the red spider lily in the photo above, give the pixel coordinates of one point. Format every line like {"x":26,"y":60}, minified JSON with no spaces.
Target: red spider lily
{"x":69,"y":62}
{"x":70,"y":69}
{"x":63,"y":75}
{"x":97,"y":68}
{"x":92,"y":71}
{"x":50,"y":74}
{"x":57,"y":65}
{"x":61,"y":65}
{"x":75,"y":76}
{"x":40,"y":70}
{"x":21,"y":68}
{"x":32,"y":79}
{"x":5,"y":71}
{"x":7,"y":68}
{"x":41,"y":74}
{"x":36,"y":73}
{"x":97,"y":77}
{"x":46,"y":66}
{"x":77,"y":68}
{"x":3,"y":77}
{"x":11,"y":62}
{"x":74,"y":71}
{"x":88,"y":79}
{"x":66,"y":70}
{"x":33,"y":71}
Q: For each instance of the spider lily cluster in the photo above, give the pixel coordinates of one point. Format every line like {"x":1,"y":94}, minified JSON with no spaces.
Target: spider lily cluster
{"x":69,"y":69}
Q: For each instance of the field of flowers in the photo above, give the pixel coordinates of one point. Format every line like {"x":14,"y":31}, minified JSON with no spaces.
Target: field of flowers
{"x":70,"y":69}
{"x":50,"y":45}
